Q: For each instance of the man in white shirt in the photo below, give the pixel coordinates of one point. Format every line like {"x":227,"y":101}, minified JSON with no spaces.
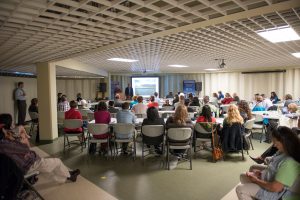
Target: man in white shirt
{"x":20,"y":97}
{"x":139,"y":108}
{"x":156,"y":98}
{"x":213,"y":108}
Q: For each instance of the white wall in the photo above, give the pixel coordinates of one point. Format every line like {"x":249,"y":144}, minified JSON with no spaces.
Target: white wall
{"x":70,"y":87}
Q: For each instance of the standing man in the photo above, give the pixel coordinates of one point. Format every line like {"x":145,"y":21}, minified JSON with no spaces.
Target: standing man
{"x":20,"y":97}
{"x":129,"y":92}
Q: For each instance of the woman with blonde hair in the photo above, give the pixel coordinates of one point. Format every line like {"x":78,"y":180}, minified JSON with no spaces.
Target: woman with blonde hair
{"x":231,"y":134}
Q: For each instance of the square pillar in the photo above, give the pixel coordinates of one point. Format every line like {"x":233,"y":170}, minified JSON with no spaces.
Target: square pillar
{"x":46,"y":92}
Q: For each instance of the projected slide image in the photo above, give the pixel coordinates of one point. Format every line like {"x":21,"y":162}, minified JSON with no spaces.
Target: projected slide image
{"x":145,"y":86}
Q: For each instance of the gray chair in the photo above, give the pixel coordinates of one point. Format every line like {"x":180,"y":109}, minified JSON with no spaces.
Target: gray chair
{"x":248,"y":131}
{"x":121,"y":130}
{"x":152,"y":135}
{"x":258,"y":125}
{"x":179,"y":138}
{"x":91,"y":116}
{"x":34,"y":116}
{"x":73,"y":124}
{"x":98,"y":129}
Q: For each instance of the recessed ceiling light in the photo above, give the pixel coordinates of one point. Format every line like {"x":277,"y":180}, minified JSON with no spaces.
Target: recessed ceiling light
{"x":178,"y":66}
{"x":122,"y":60}
{"x":211,"y":69}
{"x":279,"y":34}
{"x":297,"y":55}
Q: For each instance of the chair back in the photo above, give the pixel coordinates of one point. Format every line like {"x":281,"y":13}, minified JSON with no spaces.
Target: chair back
{"x":72,"y":123}
{"x":199,"y":127}
{"x":258,"y":118}
{"x":60,"y":117}
{"x":123,"y":128}
{"x":91,"y":116}
{"x":84,"y":112}
{"x":179,"y":134}
{"x":225,"y":108}
{"x":167,"y":108}
{"x":153,"y":130}
{"x":249,"y":124}
{"x":33,"y":115}
{"x":98,"y":129}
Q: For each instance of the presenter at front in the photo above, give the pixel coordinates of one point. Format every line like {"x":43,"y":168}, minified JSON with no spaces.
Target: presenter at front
{"x":128,"y":92}
{"x":20,"y":97}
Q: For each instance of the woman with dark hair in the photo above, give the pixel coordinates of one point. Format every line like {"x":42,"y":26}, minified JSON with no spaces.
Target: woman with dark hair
{"x":245,"y":111}
{"x":206,"y":115}
{"x":13,"y":133}
{"x":195,"y":102}
{"x":274,"y":181}
{"x":274,"y":97}
{"x":176,"y":99}
{"x":153,"y":119}
{"x":33,"y":106}
{"x":102,"y":116}
{"x":152,"y":102}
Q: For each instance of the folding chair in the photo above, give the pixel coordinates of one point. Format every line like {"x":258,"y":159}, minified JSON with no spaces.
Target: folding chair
{"x":248,"y":131}
{"x":73,"y":124}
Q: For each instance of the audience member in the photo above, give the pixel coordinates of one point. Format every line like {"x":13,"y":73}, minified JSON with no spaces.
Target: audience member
{"x":118,"y":102}
{"x":170,"y":95}
{"x":176,"y":99}
{"x":255,"y":99}
{"x":228,"y":99}
{"x":28,"y":161}
{"x":274,"y":181}
{"x":206,"y":115}
{"x":236,"y":98}
{"x":190,"y":97}
{"x":10,"y":132}
{"x":267,"y":103}
{"x":20,"y":97}
{"x":167,"y":103}
{"x":111,"y":107}
{"x":102,"y":116}
{"x":274,"y":98}
{"x":33,"y":106}
{"x":134,"y":101}
{"x":125,"y":116}
{"x":78,"y":97}
{"x":259,"y":106}
{"x":206,"y":101}
{"x":194,"y":102}
{"x":288,"y":100}
{"x":156,"y":98}
{"x":214,"y":100}
{"x":59,"y":95}
{"x":152,"y":102}
{"x":63,"y":105}
{"x":221,"y":95}
{"x":180,"y":102}
{"x":245,"y":110}
{"x":189,"y":109}
{"x":73,"y":113}
{"x":153,"y":119}
{"x":140,"y":107}
{"x":179,"y":120}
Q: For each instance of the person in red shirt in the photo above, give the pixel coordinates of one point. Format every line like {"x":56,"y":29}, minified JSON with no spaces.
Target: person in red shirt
{"x":102,"y":116}
{"x":205,"y":115}
{"x":228,"y":99}
{"x":152,"y":103}
{"x":73,"y":113}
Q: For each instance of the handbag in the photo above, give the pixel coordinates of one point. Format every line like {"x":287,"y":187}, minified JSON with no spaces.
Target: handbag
{"x":217,"y":152}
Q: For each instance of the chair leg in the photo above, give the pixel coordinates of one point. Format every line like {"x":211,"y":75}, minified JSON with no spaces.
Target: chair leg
{"x":251,"y":142}
{"x":243,"y":154}
{"x":143,"y":157}
{"x":191,"y":158}
{"x":134,"y":149}
{"x":168,"y":162}
{"x":64,"y":143}
{"x":31,"y":129}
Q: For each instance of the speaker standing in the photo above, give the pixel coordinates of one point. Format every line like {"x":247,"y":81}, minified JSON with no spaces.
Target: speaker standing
{"x":20,"y":97}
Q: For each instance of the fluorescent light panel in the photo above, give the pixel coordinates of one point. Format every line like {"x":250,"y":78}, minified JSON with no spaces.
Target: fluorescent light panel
{"x":179,"y":66}
{"x":297,"y":55}
{"x":280,"y":34}
{"x":211,"y":69}
{"x":122,"y":60}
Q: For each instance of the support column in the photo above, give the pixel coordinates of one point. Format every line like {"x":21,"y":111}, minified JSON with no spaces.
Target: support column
{"x":46,"y":92}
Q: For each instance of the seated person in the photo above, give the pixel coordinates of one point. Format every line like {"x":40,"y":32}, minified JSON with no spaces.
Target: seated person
{"x":63,"y":105}
{"x":125,"y":116}
{"x":231,"y":134}
{"x":205,"y":116}
{"x":28,"y":161}
{"x":267,"y":103}
{"x":288,"y":100}
{"x":17,"y":133}
{"x":170,"y":95}
{"x":139,"y":108}
{"x":156,"y":98}
{"x":167,"y":103}
{"x":152,"y":102}
{"x":274,"y":98}
{"x":111,"y":107}
{"x":194,"y":102}
{"x":236,"y":98}
{"x":176,"y":99}
{"x":274,"y":181}
{"x":153,"y":119}
{"x":34,"y":109}
{"x":206,"y":101}
{"x":245,"y":110}
{"x":179,"y":120}
{"x":134,"y":101}
{"x":118,"y":102}
{"x":258,"y":106}
{"x":102,"y":116}
{"x":180,"y":102}
{"x":73,"y":113}
{"x":228,"y":99}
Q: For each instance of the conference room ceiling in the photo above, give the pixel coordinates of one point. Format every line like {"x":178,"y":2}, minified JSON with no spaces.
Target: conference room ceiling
{"x":92,"y":31}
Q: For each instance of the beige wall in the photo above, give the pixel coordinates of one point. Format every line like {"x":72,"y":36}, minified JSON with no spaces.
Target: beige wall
{"x":70,"y":87}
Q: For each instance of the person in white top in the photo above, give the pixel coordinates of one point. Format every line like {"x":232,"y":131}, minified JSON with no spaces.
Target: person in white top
{"x":20,"y":97}
{"x":139,"y":108}
{"x":181,"y":101}
{"x":156,"y":98}
{"x":267,"y":103}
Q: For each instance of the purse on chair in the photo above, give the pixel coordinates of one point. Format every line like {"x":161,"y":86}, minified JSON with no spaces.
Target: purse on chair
{"x":217,"y":152}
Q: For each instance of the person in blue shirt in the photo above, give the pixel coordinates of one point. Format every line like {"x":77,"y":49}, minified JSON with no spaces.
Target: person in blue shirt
{"x":125,"y":116}
{"x":274,"y":98}
{"x":134,"y":101}
{"x":221,"y":95}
